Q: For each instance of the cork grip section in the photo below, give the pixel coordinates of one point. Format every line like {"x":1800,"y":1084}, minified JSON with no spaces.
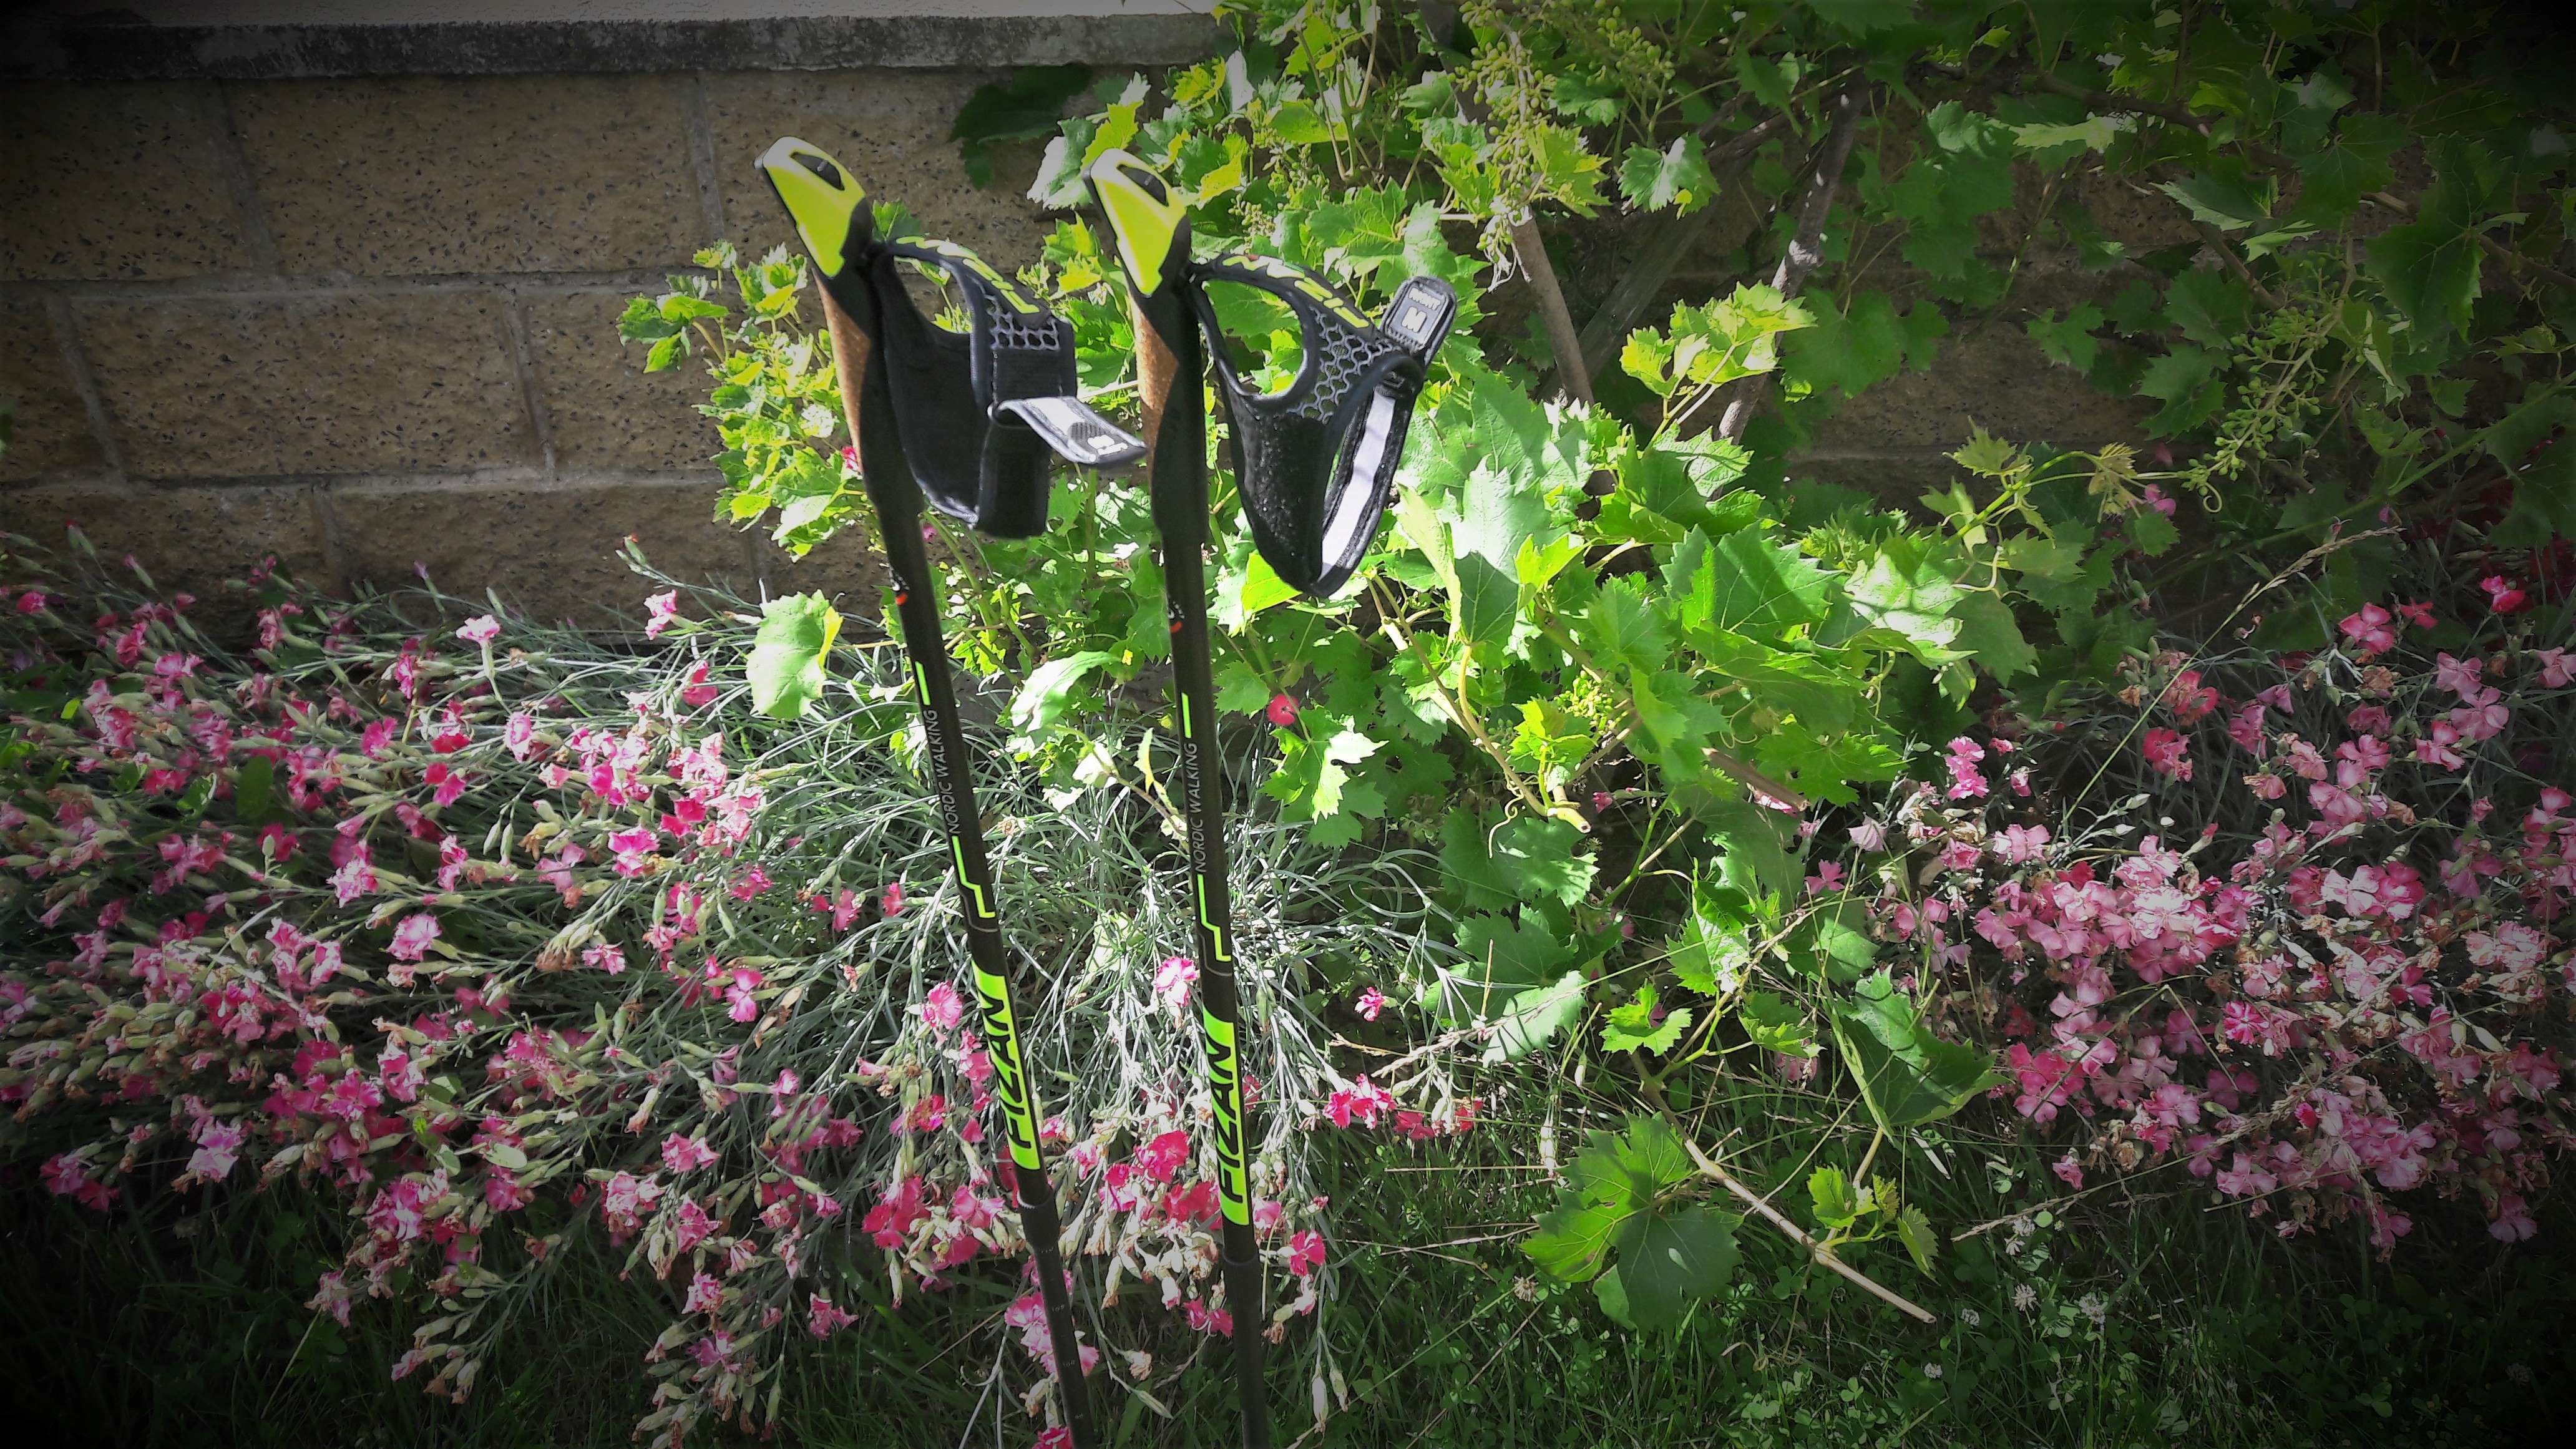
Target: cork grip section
{"x":1155,"y":365}
{"x":849,"y":358}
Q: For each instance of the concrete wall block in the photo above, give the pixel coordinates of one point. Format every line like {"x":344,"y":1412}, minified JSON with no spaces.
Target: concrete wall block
{"x":1897,"y":479}
{"x":551,"y":550}
{"x":604,"y":410}
{"x":427,"y":175}
{"x":188,"y":538}
{"x":1995,"y":377}
{"x":891,"y":129}
{"x":330,"y":383}
{"x":51,"y":426}
{"x":114,"y":182}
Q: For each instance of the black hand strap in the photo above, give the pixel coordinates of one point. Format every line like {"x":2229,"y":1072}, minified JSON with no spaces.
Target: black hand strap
{"x":1316,"y":462}
{"x":982,"y":410}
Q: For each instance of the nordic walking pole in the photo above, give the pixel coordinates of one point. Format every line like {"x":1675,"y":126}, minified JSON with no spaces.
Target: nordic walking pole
{"x":1154,"y":244}
{"x":832,"y":218}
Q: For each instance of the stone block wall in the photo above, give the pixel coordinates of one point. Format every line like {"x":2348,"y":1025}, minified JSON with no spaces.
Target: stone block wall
{"x":346,"y":294}
{"x":367,"y":323}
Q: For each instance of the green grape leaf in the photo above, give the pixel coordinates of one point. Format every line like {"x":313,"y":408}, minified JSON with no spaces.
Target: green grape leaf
{"x":1669,"y":1261}
{"x":1635,"y":1026}
{"x":1712,"y":956}
{"x":787,"y":654}
{"x":1851,"y":350}
{"x":1049,"y":693}
{"x":1837,"y":1206}
{"x":254,"y":789}
{"x":1989,"y":633}
{"x":2068,"y":340}
{"x":1906,"y":592}
{"x":1907,"y":1075}
{"x":1775,"y":1023}
{"x":1914,"y":1230}
{"x":2151,"y":531}
{"x":2187,"y":381}
{"x":1022,"y":108}
{"x":1675,"y":177}
{"x":2210,"y":305}
{"x":1755,"y":859}
{"x":1240,"y":689}
{"x":1743,"y":583}
{"x":1623,"y":630}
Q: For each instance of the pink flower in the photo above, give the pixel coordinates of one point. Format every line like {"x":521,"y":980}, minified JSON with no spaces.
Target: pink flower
{"x":2245,"y":727}
{"x":1282,"y":710}
{"x":1172,"y":979}
{"x":2156,"y":499}
{"x":2418,"y":614}
{"x":2369,"y":629}
{"x":604,"y":956}
{"x":446,"y":785}
{"x":1161,"y":1158}
{"x":521,"y":735}
{"x":218,"y":1147}
{"x":2513,"y":1222}
{"x":1965,"y":780}
{"x":2068,"y":1170}
{"x":822,"y":1319}
{"x":697,"y":693}
{"x":1363,"y":1102}
{"x":412,"y":936}
{"x":632,"y":848}
{"x":1371,"y":1002}
{"x":2022,"y":844}
{"x":2460,"y":676}
{"x":685,"y":1154}
{"x":750,"y":883}
{"x":375,"y":737}
{"x":742,"y":1005}
{"x":663,"y":610}
{"x":480,"y":630}
{"x":2502,"y":596}
{"x":691,"y":1226}
{"x":704,"y":1294}
{"x":2190,"y":700}
{"x":892,"y":904}
{"x":331,"y":1295}
{"x":31,"y":602}
{"x":2168,"y":753}
{"x":503,"y":1192}
{"x":355,"y":877}
{"x":1305,"y":1253}
{"x":844,"y":910}
{"x":2555,"y":670}
{"x":943,"y":1009}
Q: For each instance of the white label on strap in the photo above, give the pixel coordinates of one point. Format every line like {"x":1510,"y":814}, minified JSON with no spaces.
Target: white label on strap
{"x":1081,"y":435}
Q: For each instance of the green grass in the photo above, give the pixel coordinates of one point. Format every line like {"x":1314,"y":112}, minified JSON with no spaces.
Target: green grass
{"x":188,"y":1329}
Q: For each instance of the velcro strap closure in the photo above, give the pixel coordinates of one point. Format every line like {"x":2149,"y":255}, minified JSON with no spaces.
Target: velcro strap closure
{"x":1075,"y":430}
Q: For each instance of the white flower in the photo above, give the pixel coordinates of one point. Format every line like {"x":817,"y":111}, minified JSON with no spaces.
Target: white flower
{"x":2092,"y":1306}
{"x":2025,"y":1297}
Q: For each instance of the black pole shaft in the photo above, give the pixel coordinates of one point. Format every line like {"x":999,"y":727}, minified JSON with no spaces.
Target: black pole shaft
{"x":897,"y":499}
{"x":1180,"y":503}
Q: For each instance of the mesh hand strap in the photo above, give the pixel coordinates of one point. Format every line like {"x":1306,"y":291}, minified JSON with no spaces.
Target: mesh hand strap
{"x":982,"y":410}
{"x":1316,"y":462}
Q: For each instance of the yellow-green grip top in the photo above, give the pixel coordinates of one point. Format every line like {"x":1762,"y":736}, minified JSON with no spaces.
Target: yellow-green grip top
{"x":820,"y":195}
{"x":1151,"y":223}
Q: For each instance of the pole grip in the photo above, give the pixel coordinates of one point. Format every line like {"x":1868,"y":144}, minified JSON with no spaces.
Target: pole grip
{"x":1155,"y":369}
{"x":849,"y":358}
